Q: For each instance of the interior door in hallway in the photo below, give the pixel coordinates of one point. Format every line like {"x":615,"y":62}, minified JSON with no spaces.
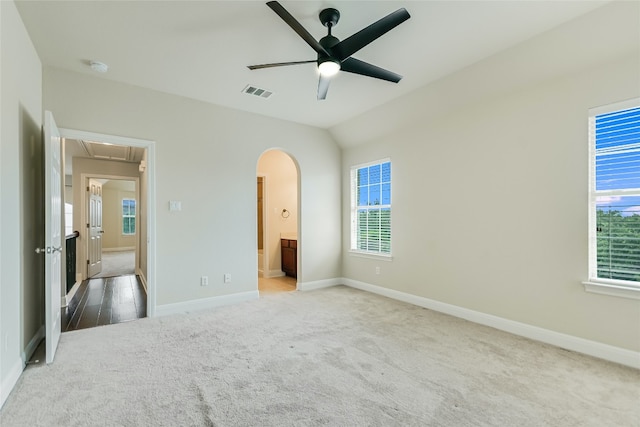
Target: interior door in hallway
{"x":52,"y":249}
{"x":94,"y":225}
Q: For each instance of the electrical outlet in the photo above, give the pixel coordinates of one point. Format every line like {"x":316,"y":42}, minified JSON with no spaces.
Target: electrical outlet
{"x":227,"y":278}
{"x":204,"y":281}
{"x":377,"y":270}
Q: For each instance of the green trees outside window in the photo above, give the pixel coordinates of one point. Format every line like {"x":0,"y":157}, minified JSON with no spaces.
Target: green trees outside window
{"x":618,"y":242}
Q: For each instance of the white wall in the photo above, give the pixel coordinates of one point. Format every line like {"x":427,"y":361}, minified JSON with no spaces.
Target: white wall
{"x":206,"y":157}
{"x":21,"y":306}
{"x":281,"y":188}
{"x":490,"y":194}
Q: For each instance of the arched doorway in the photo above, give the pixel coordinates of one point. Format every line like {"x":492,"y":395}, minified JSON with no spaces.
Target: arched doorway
{"x":278,"y":221}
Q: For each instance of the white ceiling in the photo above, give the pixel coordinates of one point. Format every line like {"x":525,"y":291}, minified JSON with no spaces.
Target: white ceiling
{"x":200,"y":49}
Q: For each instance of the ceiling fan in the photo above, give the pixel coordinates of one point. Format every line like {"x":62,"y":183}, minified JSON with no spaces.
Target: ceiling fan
{"x":335,"y":55}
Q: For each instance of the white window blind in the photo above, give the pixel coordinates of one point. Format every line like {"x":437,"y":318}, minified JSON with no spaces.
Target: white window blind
{"x":128,"y":216}
{"x":614,"y":231}
{"x":371,"y":208}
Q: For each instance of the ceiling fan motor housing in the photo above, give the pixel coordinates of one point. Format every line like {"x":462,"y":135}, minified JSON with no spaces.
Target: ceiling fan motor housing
{"x":328,"y":42}
{"x":329,"y":17}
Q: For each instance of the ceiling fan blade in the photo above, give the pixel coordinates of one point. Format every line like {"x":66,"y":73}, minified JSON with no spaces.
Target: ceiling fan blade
{"x":279,"y":64}
{"x":353,"y":65}
{"x":323,"y":87}
{"x":297,"y":27}
{"x":357,"y":41}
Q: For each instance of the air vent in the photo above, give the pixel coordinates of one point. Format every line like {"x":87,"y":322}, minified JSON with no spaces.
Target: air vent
{"x":256,"y":91}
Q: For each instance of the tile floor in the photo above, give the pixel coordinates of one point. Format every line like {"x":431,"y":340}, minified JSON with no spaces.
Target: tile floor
{"x":276,"y":284}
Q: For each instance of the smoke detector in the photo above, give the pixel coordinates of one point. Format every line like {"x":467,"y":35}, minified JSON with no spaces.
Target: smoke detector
{"x":98,"y":66}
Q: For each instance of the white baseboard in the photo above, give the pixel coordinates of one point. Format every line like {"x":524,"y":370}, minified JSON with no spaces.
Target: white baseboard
{"x":569,"y":342}
{"x":32,"y":345}
{"x":319,"y":284}
{"x":67,"y":298}
{"x":123,"y":249}
{"x":205,"y":303}
{"x":9,"y":382}
{"x":274,"y":273}
{"x":143,"y":280}
{"x":16,"y":370}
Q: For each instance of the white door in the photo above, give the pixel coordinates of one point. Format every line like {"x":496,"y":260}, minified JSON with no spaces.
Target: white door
{"x":94,"y":225}
{"x":53,"y":235}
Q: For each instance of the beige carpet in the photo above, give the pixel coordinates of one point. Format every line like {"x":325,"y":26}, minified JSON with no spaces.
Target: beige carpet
{"x":117,"y":263}
{"x":337,"y":356}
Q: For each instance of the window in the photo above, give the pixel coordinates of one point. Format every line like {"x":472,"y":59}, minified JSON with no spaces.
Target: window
{"x":128,"y":216}
{"x":371,"y":208}
{"x":614,"y":211}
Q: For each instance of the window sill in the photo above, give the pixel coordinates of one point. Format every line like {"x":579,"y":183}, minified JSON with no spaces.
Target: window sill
{"x":616,"y":289}
{"x":379,"y":257}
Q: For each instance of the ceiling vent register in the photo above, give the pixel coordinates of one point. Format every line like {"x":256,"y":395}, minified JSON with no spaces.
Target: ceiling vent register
{"x":256,"y":91}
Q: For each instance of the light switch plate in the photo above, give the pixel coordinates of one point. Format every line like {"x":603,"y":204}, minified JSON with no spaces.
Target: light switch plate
{"x":175,"y":205}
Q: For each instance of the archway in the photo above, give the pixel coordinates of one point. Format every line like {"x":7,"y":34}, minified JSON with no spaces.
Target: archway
{"x":278,"y":221}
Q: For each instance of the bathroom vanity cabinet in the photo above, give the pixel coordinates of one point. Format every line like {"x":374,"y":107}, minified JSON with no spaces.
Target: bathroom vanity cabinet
{"x":289,"y":254}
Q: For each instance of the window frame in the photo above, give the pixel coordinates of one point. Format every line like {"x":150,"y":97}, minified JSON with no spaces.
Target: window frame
{"x":123,"y":216}
{"x":595,"y":284}
{"x":354,"y":208}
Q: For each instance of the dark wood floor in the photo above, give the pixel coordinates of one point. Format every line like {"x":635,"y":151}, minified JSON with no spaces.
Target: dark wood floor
{"x":106,"y":301}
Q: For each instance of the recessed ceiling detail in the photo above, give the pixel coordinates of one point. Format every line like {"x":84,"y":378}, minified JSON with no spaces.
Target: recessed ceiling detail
{"x":103,"y":151}
{"x":256,"y":91}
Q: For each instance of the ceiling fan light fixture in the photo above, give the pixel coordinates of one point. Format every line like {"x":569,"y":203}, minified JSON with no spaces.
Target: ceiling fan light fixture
{"x":329,"y":67}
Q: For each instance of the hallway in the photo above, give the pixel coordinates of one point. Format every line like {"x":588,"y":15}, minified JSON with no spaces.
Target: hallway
{"x":105,"y":301}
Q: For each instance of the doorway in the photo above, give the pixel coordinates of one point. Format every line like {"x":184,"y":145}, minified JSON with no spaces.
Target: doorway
{"x":135,"y":202}
{"x":278,"y":245}
{"x":113,"y":227}
{"x":112,"y":291}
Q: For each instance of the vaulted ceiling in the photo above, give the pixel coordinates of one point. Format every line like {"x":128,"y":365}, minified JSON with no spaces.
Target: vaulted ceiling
{"x":201,"y":49}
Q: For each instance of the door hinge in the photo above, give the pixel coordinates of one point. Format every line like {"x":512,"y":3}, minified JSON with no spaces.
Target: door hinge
{"x":87,"y":188}
{"x":87,"y":225}
{"x":87,"y":262}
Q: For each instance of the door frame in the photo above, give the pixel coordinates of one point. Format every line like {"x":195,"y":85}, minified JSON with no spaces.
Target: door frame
{"x":265,"y":228}
{"x":84,"y":208}
{"x":150,"y":146}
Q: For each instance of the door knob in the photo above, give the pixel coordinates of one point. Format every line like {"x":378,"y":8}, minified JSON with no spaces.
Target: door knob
{"x":48,"y":250}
